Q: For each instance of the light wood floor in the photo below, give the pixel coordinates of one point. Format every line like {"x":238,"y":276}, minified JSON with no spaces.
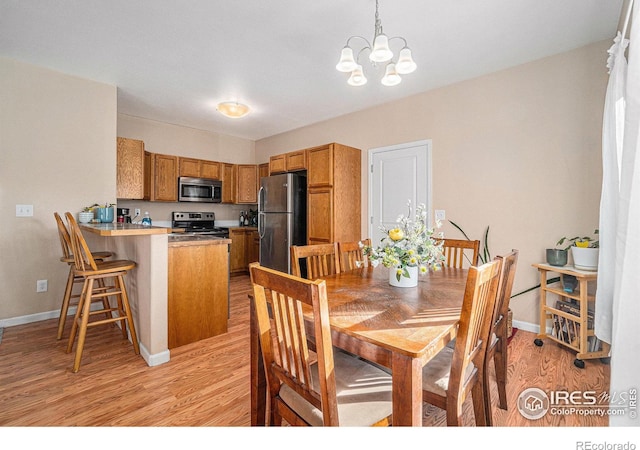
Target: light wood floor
{"x":207,"y":383}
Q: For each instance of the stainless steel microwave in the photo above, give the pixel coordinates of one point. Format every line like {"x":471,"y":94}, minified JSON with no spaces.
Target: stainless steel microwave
{"x":203,"y":190}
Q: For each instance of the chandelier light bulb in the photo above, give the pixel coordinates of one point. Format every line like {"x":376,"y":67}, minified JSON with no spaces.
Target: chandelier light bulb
{"x":346,"y":63}
{"x":357,"y":77}
{"x":381,"y":51}
{"x":405,"y":62}
{"x":391,"y":77}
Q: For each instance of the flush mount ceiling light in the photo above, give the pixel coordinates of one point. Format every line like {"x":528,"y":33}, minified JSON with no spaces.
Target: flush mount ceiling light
{"x":379,"y":52}
{"x":234,"y":110}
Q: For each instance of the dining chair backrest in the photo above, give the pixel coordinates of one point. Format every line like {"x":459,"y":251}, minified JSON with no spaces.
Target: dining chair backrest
{"x":65,"y":239}
{"x":507,"y":276}
{"x":497,"y":345}
{"x":290,"y":363}
{"x":473,"y":330}
{"x":83,"y":259}
{"x":352,"y":255}
{"x":318,"y":260}
{"x":457,"y":250}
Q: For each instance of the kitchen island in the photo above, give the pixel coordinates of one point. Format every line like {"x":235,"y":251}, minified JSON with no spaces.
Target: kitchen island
{"x":147,"y":284}
{"x":198,"y":304}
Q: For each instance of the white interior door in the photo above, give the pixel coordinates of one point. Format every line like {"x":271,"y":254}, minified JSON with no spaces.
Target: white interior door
{"x":398,"y":173}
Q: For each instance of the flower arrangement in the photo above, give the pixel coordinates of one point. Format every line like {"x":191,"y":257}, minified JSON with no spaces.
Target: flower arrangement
{"x":410,"y":244}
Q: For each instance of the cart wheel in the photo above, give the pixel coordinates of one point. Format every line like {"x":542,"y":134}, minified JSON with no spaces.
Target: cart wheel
{"x":578,"y":363}
{"x":538,"y":342}
{"x":606,"y":360}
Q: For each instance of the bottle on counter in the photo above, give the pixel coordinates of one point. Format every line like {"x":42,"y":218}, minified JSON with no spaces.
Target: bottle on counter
{"x":146,"y":220}
{"x":241,"y":218}
{"x":246,"y":221}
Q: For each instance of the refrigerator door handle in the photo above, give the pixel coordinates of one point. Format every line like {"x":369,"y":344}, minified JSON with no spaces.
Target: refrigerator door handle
{"x":260,"y":199}
{"x":261,"y":225}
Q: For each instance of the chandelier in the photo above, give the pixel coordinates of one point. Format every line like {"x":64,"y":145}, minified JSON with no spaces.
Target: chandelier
{"x":379,"y":52}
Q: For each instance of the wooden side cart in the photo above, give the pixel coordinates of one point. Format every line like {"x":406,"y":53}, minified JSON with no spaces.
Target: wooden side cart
{"x":571,"y":315}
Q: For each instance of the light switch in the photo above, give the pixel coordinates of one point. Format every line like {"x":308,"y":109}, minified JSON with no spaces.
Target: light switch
{"x":440,"y":214}
{"x":24,"y":210}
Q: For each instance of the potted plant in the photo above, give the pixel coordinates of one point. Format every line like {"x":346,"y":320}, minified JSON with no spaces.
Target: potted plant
{"x":407,"y":249}
{"x":584,"y":250}
{"x":87,"y":213}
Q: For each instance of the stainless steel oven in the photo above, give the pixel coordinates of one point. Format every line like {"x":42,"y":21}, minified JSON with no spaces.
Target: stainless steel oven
{"x":204,"y":190}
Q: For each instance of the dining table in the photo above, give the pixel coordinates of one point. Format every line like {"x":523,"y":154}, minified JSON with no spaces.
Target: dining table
{"x":400,"y":328}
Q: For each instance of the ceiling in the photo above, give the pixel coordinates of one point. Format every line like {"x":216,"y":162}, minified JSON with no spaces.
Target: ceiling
{"x":173,"y":61}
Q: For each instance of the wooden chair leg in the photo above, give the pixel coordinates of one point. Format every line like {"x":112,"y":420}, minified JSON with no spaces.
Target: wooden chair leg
{"x":84,"y":320}
{"x":478,"y":397}
{"x":64,"y":309}
{"x":500,"y":363}
{"x":127,"y":311}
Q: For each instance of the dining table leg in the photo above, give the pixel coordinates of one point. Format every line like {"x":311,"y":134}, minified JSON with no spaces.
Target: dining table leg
{"x":258,"y":378}
{"x":407,"y":390}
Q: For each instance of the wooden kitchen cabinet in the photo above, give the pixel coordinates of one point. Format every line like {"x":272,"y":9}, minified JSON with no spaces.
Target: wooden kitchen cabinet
{"x":210,"y":169}
{"x":253,"y":246}
{"x":161,"y":177}
{"x":247,"y":183}
{"x":198,"y":291}
{"x":296,"y":161}
{"x":333,"y":194}
{"x":130,"y":169}
{"x":199,"y":168}
{"x":245,"y":248}
{"x":277,"y":164}
{"x":288,"y":162}
{"x":228,"y":177}
{"x":263,"y":171}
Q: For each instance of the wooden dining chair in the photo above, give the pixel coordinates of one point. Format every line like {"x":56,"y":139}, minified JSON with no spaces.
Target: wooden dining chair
{"x":351,"y":254}
{"x":454,"y":373}
{"x":70,"y":299}
{"x":321,"y":388}
{"x":497,"y":349}
{"x":457,"y":250}
{"x":314,"y":261}
{"x":93,"y":271}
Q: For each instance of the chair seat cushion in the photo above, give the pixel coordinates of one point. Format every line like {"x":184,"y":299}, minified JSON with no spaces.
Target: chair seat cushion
{"x":363,"y":392}
{"x":435,"y":374}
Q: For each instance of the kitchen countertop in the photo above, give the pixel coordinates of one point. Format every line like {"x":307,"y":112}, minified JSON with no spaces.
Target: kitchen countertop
{"x":122,"y":229}
{"x":198,"y":239}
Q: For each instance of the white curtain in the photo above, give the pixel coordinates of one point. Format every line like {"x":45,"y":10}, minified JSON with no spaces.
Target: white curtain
{"x":618,"y":296}
{"x":612,"y":139}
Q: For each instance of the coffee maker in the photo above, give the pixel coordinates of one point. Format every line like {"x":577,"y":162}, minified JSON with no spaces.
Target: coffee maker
{"x":124,"y":215}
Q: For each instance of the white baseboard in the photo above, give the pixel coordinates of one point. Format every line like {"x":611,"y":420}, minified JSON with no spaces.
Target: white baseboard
{"x":526,"y":326}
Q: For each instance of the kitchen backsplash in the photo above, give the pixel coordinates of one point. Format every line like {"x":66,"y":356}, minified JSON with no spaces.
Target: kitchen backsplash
{"x":160,"y":212}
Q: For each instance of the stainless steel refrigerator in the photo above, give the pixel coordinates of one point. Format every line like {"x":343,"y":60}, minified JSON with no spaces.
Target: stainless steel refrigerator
{"x":282,"y":218}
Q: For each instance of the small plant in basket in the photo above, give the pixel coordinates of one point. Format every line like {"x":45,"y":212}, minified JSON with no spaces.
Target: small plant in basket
{"x":409,"y":244}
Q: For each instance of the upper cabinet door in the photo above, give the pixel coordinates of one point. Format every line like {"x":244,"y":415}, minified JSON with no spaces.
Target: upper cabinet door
{"x":247,"y":183}
{"x":210,"y":169}
{"x":165,"y":178}
{"x":320,"y":172}
{"x":130,"y":169}
{"x":189,"y":167}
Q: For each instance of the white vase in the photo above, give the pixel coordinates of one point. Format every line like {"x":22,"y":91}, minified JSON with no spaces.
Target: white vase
{"x":412,"y":281}
{"x":585,"y":258}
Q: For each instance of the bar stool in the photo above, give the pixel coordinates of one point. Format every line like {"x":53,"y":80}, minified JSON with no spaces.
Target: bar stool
{"x":67,"y":258}
{"x":91,"y":272}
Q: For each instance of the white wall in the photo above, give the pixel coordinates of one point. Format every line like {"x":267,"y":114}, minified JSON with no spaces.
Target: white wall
{"x":57,"y":153}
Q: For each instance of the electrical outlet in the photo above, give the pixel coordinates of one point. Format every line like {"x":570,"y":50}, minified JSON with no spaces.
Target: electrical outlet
{"x":24,"y":210}
{"x":440,"y":214}
{"x":137,"y":212}
{"x":41,"y":286}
